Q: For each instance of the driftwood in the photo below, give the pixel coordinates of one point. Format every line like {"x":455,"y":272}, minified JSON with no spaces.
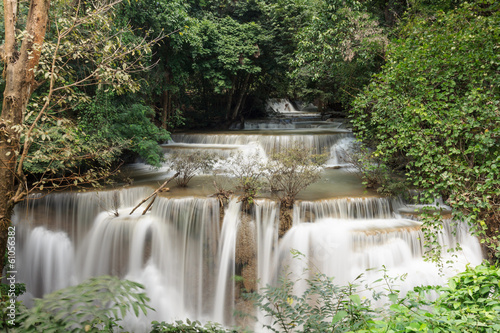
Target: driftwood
{"x":154,"y":195}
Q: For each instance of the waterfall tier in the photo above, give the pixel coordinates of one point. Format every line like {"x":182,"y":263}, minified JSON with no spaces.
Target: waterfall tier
{"x":187,"y":259}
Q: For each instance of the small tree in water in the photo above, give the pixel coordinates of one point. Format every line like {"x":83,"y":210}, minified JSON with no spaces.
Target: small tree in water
{"x":289,"y":172}
{"x":248,"y":170}
{"x":189,"y":165}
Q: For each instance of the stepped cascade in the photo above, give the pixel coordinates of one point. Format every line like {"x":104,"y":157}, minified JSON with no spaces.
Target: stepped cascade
{"x":186,"y":252}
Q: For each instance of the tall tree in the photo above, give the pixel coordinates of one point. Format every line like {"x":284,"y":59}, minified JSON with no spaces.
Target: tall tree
{"x":19,"y":66}
{"x":339,"y":47}
{"x":74,"y":56}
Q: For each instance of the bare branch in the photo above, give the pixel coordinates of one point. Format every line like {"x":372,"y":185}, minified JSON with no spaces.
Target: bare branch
{"x":154,"y":194}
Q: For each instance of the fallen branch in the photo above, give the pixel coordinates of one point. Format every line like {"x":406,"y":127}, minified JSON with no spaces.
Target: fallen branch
{"x":154,"y":194}
{"x":149,"y":206}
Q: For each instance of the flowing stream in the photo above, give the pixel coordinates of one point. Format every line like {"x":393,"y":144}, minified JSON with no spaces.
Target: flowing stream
{"x":187,"y":256}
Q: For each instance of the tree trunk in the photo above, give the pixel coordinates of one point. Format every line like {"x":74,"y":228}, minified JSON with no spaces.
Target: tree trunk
{"x":167,"y":102}
{"x":19,"y":83}
{"x":243,"y":92}
{"x":165,"y":109}
{"x":286,"y":216}
{"x":230,"y":99}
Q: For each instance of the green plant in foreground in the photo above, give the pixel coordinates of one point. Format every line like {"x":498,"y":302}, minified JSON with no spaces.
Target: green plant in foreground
{"x":189,"y":327}
{"x":96,"y":305}
{"x":322,"y":307}
{"x":470,"y":303}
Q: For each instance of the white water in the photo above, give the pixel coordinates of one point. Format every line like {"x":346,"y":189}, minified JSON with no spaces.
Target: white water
{"x":186,"y":259}
{"x":224,"y":294}
{"x":186,"y":262}
{"x":334,"y":143}
{"x":280,"y":105}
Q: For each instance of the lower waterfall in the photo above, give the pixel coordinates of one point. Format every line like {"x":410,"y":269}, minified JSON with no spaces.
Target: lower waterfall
{"x":187,"y":260}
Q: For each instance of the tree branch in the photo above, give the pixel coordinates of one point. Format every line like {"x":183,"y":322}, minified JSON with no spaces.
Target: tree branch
{"x":10,"y":15}
{"x":155,"y":193}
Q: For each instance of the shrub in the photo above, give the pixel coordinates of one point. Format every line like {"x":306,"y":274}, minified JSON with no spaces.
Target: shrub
{"x":470,"y":303}
{"x":189,"y":327}
{"x":96,"y":305}
{"x":321,"y":307}
{"x":292,"y":170}
{"x":289,"y":172}
{"x":248,"y":170}
{"x":374,"y":173}
{"x":189,"y":165}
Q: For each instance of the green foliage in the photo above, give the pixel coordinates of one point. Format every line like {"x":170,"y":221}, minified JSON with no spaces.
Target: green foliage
{"x":374,"y":173}
{"x":435,"y":106}
{"x":470,"y":303}
{"x":292,"y":170}
{"x":170,"y":54}
{"x":338,"y":48}
{"x":189,"y":327}
{"x":97,"y":305}
{"x":226,"y":48}
{"x":107,"y":127}
{"x":123,"y":123}
{"x":322,"y":307}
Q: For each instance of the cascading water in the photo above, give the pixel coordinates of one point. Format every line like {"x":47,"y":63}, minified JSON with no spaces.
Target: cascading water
{"x":186,"y":258}
{"x":317,"y":141}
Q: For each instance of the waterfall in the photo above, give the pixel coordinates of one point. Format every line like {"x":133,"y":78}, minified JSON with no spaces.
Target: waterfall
{"x":172,"y":250}
{"x":345,"y":208}
{"x":187,"y":259}
{"x":226,"y":253}
{"x":266,"y":216}
{"x":316,"y":142}
{"x":49,"y":261}
{"x":280,"y":105}
{"x":338,"y":152}
{"x":344,"y":248}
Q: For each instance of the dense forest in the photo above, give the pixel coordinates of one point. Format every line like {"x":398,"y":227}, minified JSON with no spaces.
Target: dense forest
{"x":88,"y":86}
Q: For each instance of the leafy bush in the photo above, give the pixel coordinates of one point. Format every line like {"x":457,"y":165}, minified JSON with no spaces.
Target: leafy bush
{"x":436,"y":102}
{"x":470,"y":303}
{"x":189,"y":327}
{"x":96,"y":305}
{"x":323,"y":307}
{"x":374,"y":173}
{"x":122,"y":122}
{"x":106,"y":128}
